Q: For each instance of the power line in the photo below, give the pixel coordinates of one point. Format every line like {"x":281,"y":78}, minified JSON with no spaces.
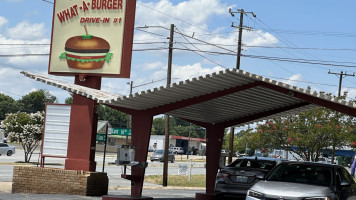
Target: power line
{"x":48,"y":1}
{"x":312,"y":33}
{"x":199,"y":50}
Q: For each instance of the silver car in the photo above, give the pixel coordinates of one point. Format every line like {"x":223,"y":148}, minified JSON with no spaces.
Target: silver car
{"x":305,"y":181}
{"x":159,"y":156}
{"x":6,"y":149}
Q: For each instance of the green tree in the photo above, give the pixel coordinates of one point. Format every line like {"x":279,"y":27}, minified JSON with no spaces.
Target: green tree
{"x":184,"y":128}
{"x":113,"y":116}
{"x":309,"y":132}
{"x":247,"y":142}
{"x":35,"y":101}
{"x":69,"y":100}
{"x":25,"y":129}
{"x":158,"y":126}
{"x":7,"y":105}
{"x":226,"y":143}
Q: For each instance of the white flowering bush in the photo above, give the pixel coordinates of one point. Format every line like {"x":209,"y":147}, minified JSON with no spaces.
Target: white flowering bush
{"x":25,"y":129}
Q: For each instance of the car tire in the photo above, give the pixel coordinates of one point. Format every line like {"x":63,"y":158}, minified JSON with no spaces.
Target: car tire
{"x":172,"y":161}
{"x":9,"y":153}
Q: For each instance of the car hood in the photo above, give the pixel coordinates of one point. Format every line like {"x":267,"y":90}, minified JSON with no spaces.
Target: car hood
{"x":290,"y":189}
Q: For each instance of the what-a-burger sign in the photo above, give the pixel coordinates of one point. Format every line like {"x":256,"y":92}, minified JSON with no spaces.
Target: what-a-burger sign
{"x":92,"y":37}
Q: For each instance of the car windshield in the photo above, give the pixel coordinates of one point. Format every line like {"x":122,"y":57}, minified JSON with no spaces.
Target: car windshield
{"x":302,"y":173}
{"x":259,"y":164}
{"x":159,"y":152}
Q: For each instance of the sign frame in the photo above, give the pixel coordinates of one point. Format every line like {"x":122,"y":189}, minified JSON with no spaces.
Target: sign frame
{"x":46,"y":150}
{"x":126,"y":50}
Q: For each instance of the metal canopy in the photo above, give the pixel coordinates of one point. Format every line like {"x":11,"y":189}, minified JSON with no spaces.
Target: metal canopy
{"x":231,"y":98}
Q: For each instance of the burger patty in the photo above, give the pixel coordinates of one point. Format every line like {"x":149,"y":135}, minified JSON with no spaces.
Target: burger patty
{"x":87,"y":50}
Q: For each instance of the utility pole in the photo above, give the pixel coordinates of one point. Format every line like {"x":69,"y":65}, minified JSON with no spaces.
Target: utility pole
{"x":239,"y":47}
{"x":166,"y":141}
{"x":238,"y":61}
{"x":341,"y":75}
{"x":128,"y":125}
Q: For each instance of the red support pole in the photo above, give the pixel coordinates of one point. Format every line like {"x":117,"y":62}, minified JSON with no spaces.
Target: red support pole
{"x":140,"y":138}
{"x":83,"y":128}
{"x":214,"y":138}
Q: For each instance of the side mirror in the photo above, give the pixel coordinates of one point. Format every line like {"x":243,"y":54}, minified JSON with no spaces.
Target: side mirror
{"x":345,"y":183}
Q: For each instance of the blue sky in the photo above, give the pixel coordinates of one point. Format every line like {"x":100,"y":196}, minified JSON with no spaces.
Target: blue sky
{"x":318,"y":31}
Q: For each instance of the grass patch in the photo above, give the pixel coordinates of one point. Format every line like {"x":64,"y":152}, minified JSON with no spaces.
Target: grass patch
{"x":179,"y":181}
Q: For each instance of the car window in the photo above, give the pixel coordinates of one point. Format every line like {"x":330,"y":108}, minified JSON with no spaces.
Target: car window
{"x":258,"y":164}
{"x":159,"y":152}
{"x":301,"y":173}
{"x":345,"y":175}
{"x":3,"y":145}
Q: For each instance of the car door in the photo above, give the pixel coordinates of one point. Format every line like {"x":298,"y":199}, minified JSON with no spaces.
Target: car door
{"x":3,"y":148}
{"x":345,"y":192}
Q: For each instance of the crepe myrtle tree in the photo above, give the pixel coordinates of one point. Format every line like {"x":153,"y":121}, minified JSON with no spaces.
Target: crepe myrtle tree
{"x":25,"y":129}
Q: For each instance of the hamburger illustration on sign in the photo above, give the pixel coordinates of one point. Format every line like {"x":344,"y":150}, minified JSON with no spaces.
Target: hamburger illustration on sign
{"x":86,"y":52}
{"x":106,"y":51}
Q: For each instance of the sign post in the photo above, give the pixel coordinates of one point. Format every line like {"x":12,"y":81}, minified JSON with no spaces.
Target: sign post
{"x":90,"y":40}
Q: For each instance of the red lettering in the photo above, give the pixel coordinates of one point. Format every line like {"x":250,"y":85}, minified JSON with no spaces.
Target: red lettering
{"x":103,"y":4}
{"x":61,"y":17}
{"x":94,"y":20}
{"x":106,"y":20}
{"x":109,"y":4}
{"x":93,"y":4}
{"x":120,"y":5}
{"x":85,"y":7}
{"x":106,"y":4}
{"x":74,"y":11}
{"x":67,"y":14}
{"x":114,"y":4}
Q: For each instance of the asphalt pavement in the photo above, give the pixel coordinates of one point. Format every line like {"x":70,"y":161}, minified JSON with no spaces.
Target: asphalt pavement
{"x":117,"y":185}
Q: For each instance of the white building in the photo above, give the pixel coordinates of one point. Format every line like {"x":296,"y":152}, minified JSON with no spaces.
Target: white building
{"x":197,"y":145}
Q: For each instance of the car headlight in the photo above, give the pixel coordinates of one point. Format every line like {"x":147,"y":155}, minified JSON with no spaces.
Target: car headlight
{"x":317,"y":198}
{"x":255,"y":194}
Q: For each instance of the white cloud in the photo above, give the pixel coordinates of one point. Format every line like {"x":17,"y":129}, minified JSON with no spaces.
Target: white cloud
{"x":154,"y":66}
{"x":3,"y":21}
{"x":351,"y":93}
{"x":27,"y":31}
{"x":192,"y":17}
{"x":193,"y":11}
{"x":25,"y":61}
{"x":258,"y":38}
{"x":12,"y":82}
{"x":186,"y":72}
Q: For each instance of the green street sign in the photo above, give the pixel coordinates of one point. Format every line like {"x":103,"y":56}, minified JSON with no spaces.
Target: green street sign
{"x":100,"y":137}
{"x":121,"y":131}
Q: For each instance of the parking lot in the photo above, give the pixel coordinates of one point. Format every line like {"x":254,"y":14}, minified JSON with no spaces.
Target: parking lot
{"x":117,"y":185}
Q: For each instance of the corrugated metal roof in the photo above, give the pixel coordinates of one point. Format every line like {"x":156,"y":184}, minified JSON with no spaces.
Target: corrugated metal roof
{"x":215,"y":98}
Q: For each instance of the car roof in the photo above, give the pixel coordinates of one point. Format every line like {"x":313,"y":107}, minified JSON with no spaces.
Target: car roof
{"x":260,"y":158}
{"x":311,"y":163}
